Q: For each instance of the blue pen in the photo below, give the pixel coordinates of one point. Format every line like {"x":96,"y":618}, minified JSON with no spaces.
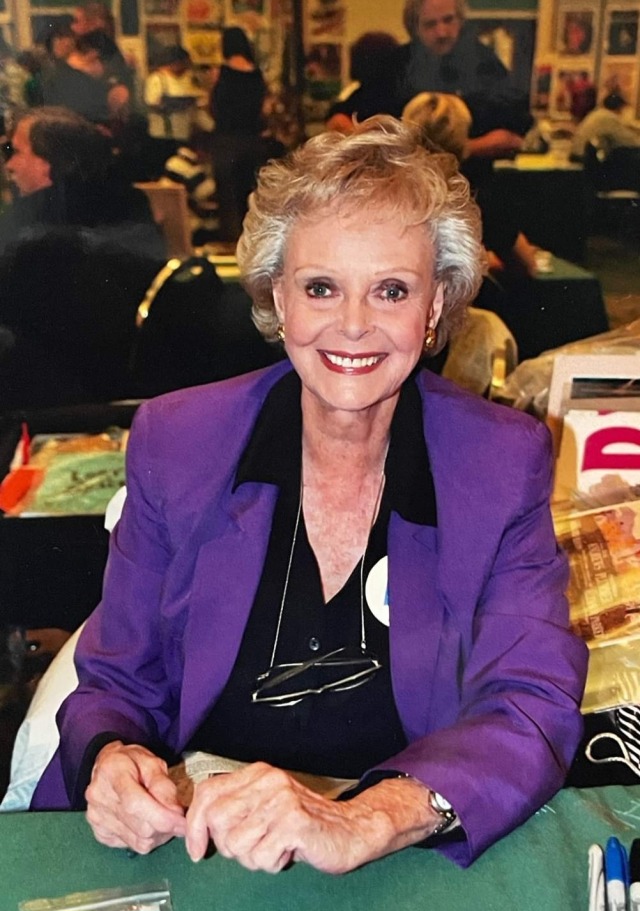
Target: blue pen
{"x":634,"y":870}
{"x":616,"y":869}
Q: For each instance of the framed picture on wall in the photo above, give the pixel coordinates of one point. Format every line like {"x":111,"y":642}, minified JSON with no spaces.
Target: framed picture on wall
{"x":323,"y":70}
{"x":326,"y":18}
{"x":204,"y":46}
{"x":574,"y":92}
{"x":622,"y":33}
{"x":621,"y":77}
{"x":160,"y":36}
{"x":238,"y":7}
{"x":161,"y":7}
{"x":133,"y":49}
{"x":571,"y":84}
{"x":205,"y":13}
{"x":576,"y":33}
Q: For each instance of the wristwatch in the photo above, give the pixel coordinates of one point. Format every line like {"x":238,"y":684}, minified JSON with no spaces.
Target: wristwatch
{"x":445,"y":811}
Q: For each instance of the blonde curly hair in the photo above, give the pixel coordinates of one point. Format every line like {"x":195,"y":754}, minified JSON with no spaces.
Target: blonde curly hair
{"x":442,"y":119}
{"x":383,"y":165}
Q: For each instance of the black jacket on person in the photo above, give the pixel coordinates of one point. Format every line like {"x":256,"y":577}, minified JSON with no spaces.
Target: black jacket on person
{"x":471,"y":70}
{"x":236,"y":102}
{"x":71,"y":88}
{"x":75,"y":262}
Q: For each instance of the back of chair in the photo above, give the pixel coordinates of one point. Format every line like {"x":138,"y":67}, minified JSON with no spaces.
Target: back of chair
{"x":194,"y":328}
{"x":481,"y":354}
{"x":168,"y":201}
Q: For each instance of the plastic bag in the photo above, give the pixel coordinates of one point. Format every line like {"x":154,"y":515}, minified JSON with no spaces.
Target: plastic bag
{"x":527,"y":387}
{"x":142,"y":897}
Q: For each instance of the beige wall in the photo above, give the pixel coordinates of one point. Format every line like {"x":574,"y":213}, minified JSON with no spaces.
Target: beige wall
{"x":368,"y":16}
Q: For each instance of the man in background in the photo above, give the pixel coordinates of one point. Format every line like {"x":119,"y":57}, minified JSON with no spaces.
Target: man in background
{"x":444,"y":55}
{"x":78,"y":250}
{"x":95,"y":16}
{"x":604,"y":128}
{"x":80,"y":82}
{"x":92,"y":15}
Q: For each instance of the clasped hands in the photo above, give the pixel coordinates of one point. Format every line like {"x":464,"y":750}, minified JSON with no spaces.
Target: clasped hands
{"x":259,"y":815}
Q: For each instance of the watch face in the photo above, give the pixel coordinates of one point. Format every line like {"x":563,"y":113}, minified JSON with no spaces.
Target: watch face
{"x":440,"y":803}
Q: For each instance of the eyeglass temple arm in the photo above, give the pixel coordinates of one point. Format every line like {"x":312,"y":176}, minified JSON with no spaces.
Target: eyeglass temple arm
{"x":298,"y":669}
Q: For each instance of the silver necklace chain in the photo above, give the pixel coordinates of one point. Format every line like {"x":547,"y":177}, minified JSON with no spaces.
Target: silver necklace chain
{"x":363,"y":636}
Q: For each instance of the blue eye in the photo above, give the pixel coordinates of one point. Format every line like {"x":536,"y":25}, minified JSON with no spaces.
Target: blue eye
{"x":394,"y":291}
{"x":318,"y":289}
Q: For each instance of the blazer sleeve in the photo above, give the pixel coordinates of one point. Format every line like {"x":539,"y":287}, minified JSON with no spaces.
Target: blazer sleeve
{"x":518,"y":723}
{"x":123,"y":687}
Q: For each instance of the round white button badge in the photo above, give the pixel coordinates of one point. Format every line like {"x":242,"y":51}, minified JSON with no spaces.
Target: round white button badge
{"x":377,"y":591}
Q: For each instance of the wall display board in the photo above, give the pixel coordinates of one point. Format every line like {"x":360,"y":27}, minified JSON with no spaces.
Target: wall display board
{"x":326,"y":49}
{"x":144,"y":27}
{"x":577,"y":30}
{"x":590,"y":49}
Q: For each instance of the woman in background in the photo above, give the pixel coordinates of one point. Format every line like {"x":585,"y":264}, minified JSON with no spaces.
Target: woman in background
{"x":371,"y":71}
{"x":237,"y":105}
{"x":239,"y":92}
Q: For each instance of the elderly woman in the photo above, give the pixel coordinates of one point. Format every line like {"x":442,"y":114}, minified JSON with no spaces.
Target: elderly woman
{"x":341,"y":565}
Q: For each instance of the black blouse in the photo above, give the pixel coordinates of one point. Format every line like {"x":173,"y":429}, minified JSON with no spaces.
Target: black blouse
{"x":333,"y":733}
{"x":236,"y":101}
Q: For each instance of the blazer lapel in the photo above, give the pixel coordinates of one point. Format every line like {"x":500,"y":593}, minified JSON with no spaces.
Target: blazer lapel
{"x":227,"y":573}
{"x":416,"y":614}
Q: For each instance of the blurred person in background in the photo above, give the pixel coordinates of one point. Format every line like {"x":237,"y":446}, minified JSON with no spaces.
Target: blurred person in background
{"x":444,"y":122}
{"x":172,"y":99}
{"x":80,"y":83}
{"x":444,"y":55}
{"x":239,"y":91}
{"x":237,"y":105}
{"x":78,"y":248}
{"x":605,"y":128}
{"x":370,"y":69}
{"x":95,"y":16}
{"x":92,"y":15}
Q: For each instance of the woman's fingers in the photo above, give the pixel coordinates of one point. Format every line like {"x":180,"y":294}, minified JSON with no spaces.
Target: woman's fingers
{"x":131,"y":801}
{"x":260,"y":817}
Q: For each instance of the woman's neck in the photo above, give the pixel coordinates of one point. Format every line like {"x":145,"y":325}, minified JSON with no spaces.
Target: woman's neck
{"x":336,"y":443}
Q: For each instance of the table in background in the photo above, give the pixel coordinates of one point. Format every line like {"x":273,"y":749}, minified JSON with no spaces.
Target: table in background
{"x":542,"y":865}
{"x":550,"y":200}
{"x":553,"y":309}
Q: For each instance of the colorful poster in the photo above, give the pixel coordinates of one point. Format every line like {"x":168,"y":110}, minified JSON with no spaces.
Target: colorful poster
{"x":616,"y":76}
{"x":160,"y":36}
{"x":247,"y":6}
{"x":326,"y":17}
{"x":204,"y":46}
{"x":576,"y":32}
{"x":205,"y":13}
{"x":622,"y":33}
{"x":323,"y":67}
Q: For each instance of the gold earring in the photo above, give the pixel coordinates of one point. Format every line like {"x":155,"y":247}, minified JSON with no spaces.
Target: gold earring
{"x":429,"y":338}
{"x":280,"y":332}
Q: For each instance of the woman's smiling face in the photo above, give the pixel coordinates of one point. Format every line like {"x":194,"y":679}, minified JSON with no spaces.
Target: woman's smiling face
{"x":355,"y":298}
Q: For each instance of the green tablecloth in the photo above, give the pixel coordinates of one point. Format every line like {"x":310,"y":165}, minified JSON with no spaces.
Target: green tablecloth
{"x":540,"y":867}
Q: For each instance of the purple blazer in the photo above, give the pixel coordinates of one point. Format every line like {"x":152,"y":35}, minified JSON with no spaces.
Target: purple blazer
{"x":486,"y":676}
